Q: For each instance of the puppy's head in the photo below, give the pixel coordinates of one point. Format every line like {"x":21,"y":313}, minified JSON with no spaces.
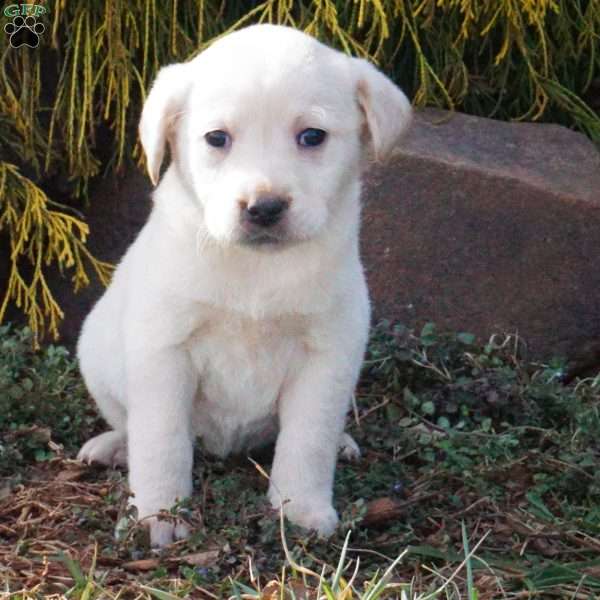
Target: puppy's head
{"x":270,"y":130}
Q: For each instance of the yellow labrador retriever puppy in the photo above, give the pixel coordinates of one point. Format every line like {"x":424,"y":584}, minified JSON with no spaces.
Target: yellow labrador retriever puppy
{"x":241,"y":311}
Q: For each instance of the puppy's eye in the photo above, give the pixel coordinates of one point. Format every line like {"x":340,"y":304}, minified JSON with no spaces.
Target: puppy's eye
{"x":311,"y":137}
{"x":218,"y":138}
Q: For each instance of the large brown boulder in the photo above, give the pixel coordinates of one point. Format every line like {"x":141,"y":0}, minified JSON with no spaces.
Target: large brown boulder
{"x":487,"y":226}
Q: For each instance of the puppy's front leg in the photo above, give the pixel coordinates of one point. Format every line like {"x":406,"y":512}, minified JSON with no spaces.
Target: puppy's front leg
{"x":161,"y":387}
{"x":312,"y":412}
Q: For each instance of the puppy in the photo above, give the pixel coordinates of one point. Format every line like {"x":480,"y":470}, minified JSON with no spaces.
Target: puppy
{"x":240,"y":313}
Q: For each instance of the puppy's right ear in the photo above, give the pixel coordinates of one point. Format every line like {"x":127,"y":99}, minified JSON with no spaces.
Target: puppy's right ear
{"x":162,"y":106}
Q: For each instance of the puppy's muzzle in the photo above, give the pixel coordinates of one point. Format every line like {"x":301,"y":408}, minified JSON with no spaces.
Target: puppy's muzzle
{"x":265,"y":212}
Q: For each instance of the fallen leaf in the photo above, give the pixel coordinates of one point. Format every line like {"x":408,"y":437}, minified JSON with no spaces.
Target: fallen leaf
{"x":382,"y":510}
{"x":145,"y":564}
{"x":201,"y":559}
{"x":70,"y":474}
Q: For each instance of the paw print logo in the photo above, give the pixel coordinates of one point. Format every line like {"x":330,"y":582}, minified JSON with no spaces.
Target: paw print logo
{"x":24,"y":31}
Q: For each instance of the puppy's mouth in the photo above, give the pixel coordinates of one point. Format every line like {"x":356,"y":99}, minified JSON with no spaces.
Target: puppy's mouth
{"x":259,"y":236}
{"x":261,"y":239}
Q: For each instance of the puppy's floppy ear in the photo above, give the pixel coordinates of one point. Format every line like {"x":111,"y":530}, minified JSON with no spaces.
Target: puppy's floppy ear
{"x":162,"y":105}
{"x":387,"y":110}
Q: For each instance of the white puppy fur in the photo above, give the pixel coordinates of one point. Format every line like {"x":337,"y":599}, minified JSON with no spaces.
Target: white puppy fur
{"x":228,"y":330}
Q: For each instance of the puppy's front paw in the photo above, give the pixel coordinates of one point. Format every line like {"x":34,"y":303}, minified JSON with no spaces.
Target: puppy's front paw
{"x":163,"y":526}
{"x":320,"y":517}
{"x":165,"y":531}
{"x":323,"y":519}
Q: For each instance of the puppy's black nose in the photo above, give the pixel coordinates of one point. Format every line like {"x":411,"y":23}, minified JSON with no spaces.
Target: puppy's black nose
{"x":266,"y":211}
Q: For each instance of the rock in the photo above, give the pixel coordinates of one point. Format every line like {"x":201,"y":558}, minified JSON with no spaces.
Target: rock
{"x":487,"y":226}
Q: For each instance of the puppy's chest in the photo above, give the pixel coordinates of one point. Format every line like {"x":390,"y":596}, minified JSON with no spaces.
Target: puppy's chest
{"x":242,"y":364}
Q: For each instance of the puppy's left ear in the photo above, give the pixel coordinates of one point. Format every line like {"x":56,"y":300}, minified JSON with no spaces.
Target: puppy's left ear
{"x":387,"y":110}
{"x":162,"y":106}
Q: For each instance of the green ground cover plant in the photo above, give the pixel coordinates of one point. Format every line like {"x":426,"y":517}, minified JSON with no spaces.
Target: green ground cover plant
{"x":478,"y":480}
{"x":69,"y":108}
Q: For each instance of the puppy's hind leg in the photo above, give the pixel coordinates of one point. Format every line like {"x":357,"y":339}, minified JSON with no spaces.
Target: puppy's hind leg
{"x":109,"y":448}
{"x":102,"y":372}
